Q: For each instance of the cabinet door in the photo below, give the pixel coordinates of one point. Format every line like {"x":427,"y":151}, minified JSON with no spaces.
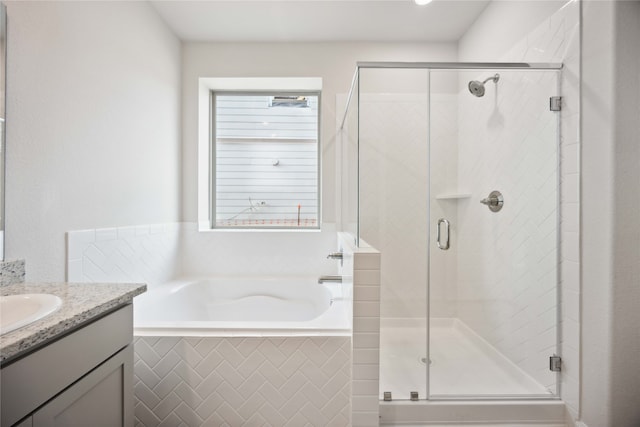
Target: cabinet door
{"x":103,"y":397}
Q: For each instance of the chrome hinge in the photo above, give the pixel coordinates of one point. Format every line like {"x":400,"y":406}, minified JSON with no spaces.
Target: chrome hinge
{"x":555,"y":363}
{"x":387,"y":396}
{"x":555,"y":103}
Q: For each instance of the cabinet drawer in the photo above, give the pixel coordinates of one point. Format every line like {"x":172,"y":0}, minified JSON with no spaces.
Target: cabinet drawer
{"x":29,"y":382}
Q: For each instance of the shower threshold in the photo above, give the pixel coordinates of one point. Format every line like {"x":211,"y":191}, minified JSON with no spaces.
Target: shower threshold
{"x":471,"y":381}
{"x":462,"y":365}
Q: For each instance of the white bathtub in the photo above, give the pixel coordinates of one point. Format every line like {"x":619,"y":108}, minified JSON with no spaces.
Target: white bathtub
{"x":241,"y":306}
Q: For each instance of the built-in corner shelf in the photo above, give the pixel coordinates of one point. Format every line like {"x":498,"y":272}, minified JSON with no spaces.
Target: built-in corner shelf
{"x":453,"y":196}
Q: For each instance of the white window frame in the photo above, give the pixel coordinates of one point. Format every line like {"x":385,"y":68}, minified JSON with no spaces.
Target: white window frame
{"x":206,"y":141}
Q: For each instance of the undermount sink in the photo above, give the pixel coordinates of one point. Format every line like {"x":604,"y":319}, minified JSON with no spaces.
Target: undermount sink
{"x":17,"y":311}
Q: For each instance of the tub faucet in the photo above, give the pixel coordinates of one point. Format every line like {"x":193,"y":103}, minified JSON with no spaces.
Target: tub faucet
{"x":335,"y":279}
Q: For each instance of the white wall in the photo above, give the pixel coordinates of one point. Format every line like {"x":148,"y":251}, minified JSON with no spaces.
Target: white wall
{"x":611,"y":205}
{"x":93,"y":136}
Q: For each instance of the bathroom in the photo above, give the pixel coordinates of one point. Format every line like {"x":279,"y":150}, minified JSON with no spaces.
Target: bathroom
{"x":105,"y":138}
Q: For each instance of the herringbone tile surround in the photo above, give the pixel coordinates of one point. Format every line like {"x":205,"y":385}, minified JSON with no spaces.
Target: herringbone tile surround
{"x":291,"y":381}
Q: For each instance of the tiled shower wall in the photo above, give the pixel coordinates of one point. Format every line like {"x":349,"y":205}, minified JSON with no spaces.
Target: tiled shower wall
{"x":394,"y":190}
{"x":507,"y":276}
{"x":554,"y":40}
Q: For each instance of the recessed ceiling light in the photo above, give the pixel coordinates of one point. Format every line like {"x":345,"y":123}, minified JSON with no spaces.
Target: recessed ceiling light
{"x":422,"y":2}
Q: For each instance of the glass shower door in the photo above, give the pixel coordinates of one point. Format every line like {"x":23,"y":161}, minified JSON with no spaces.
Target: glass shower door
{"x":393,"y":211}
{"x":493,"y":212}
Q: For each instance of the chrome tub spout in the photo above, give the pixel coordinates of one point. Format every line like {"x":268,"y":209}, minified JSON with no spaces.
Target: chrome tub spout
{"x":335,"y":279}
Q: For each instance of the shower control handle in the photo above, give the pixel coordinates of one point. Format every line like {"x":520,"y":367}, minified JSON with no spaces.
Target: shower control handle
{"x":490,"y":201}
{"x":442,"y":246}
{"x":495,"y":201}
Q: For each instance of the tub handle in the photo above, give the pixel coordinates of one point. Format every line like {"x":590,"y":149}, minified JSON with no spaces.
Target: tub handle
{"x":441,"y":246}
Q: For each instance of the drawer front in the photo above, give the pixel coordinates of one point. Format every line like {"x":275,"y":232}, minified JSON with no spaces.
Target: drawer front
{"x":37,"y":377}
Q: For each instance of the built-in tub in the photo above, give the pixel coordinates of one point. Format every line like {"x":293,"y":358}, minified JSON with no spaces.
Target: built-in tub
{"x":231,"y":306}
{"x":242,"y":351}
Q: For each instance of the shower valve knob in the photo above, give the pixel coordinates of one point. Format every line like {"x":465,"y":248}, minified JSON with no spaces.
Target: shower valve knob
{"x":495,"y":201}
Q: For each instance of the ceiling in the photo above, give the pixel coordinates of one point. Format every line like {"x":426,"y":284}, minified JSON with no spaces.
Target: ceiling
{"x":319,"y":20}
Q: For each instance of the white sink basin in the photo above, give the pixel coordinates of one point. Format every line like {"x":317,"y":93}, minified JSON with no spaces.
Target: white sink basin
{"x":17,"y":311}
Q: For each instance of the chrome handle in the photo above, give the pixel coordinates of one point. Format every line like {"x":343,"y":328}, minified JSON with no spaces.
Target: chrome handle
{"x":495,"y":201}
{"x":438,"y":236}
{"x":335,"y":255}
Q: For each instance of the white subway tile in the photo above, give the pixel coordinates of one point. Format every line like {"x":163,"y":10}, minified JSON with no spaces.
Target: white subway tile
{"x":366,"y":277}
{"x":365,"y":403}
{"x":365,"y":419}
{"x":366,"y":356}
{"x":569,"y":188}
{"x":366,"y":309}
{"x":365,"y":387}
{"x":569,"y":244}
{"x":366,"y":293}
{"x":142,"y":230}
{"x":366,"y":261}
{"x":126,"y":232}
{"x":366,"y":340}
{"x":105,"y":234}
{"x":365,"y":372}
{"x":366,"y":324}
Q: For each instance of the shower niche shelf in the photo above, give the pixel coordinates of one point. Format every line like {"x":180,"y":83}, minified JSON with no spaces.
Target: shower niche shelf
{"x":453,"y":196}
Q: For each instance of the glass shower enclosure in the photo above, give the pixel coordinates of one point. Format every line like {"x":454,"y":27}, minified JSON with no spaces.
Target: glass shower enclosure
{"x":457,"y":185}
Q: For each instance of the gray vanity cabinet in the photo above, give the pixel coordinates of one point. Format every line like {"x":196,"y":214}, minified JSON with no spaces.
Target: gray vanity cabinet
{"x":82,"y":379}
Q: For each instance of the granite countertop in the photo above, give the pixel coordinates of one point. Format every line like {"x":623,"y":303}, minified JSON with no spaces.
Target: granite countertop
{"x":80,"y":303}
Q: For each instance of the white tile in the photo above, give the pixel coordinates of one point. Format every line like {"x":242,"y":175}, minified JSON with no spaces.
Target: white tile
{"x":74,"y":271}
{"x":366,"y":356}
{"x":365,"y":387}
{"x":126,"y":232}
{"x":365,"y":372}
{"x":569,"y":158}
{"x":366,"y":309}
{"x":365,"y":419}
{"x":570,"y":248}
{"x":569,"y":188}
{"x":366,"y":324}
{"x":366,"y":277}
{"x":365,"y":403}
{"x":366,"y":293}
{"x":366,"y":261}
{"x":366,"y":340}
{"x":104,"y":234}
{"x":569,"y":217}
{"x":569,"y":275}
{"x":78,"y":241}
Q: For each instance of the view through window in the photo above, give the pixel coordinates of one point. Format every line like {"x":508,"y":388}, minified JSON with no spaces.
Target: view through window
{"x":266,"y":165}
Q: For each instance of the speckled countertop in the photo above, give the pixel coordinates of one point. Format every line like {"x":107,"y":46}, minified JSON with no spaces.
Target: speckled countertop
{"x":80,"y":303}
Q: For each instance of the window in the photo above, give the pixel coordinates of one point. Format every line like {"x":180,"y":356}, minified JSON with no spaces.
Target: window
{"x":266,"y":160}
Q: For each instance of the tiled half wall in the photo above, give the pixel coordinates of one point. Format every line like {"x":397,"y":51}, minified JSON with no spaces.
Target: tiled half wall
{"x":254,"y":381}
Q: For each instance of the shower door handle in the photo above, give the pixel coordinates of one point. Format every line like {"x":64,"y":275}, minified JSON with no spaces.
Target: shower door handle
{"x":439,"y":235}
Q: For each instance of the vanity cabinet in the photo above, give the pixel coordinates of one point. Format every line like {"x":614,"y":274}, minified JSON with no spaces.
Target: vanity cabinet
{"x":82,"y":379}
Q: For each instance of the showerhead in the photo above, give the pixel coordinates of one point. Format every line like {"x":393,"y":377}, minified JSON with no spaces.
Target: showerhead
{"x":477,"y":88}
